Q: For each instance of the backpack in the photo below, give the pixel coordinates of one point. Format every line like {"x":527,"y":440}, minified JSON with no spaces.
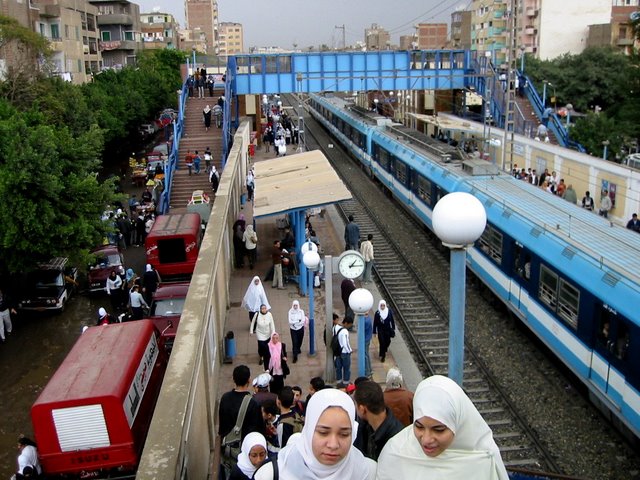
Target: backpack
{"x":336,"y":348}
{"x":297,"y":422}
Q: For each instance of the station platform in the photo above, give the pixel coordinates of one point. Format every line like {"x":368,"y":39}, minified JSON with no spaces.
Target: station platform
{"x":329,"y":228}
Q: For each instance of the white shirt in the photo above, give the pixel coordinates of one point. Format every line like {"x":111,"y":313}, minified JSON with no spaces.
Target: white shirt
{"x":137,"y":300}
{"x":343,"y":338}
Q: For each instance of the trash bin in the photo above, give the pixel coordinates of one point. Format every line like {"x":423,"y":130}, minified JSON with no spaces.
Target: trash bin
{"x":229,"y":346}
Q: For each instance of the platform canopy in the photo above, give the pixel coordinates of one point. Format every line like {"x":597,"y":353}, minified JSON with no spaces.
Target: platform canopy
{"x":295,"y":182}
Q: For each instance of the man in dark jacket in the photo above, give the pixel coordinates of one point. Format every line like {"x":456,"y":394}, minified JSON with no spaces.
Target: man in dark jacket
{"x":352,"y":235}
{"x":378,"y":423}
{"x":230,"y":404}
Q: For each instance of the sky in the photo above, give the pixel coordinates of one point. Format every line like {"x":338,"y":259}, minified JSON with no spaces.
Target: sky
{"x":284,"y":23}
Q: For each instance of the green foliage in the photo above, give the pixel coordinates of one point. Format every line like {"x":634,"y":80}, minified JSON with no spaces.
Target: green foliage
{"x":594,"y":129}
{"x":598,"y":77}
{"x":52,"y":200}
{"x":12,"y":32}
{"x":55,"y":138}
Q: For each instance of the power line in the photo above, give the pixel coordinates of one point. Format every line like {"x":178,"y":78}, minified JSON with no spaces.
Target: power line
{"x":424,"y":14}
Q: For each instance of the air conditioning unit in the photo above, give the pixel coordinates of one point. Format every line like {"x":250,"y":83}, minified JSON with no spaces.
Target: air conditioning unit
{"x":85,"y":49}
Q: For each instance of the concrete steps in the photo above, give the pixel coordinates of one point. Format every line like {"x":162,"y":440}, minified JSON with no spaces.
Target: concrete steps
{"x":196,"y":137}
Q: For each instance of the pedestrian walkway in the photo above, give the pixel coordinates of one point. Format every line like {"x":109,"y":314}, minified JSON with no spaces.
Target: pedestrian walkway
{"x":196,"y":137}
{"x":329,"y":230}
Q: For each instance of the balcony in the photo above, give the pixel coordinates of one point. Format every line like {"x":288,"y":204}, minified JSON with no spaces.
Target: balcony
{"x":532,"y":12}
{"x":50,"y":11}
{"x":56,"y":43}
{"x":529,"y":30}
{"x":115,"y":19}
{"x":624,"y":42}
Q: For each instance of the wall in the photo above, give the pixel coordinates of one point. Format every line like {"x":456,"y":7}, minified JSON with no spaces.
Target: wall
{"x":181,"y":439}
{"x":564,"y":26}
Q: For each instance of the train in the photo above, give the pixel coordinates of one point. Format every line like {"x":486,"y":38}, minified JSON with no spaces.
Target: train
{"x":571,"y":276}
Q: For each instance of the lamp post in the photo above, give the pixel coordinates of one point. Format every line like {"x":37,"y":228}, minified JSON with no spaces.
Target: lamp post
{"x":458,"y":220}
{"x":522,"y":59}
{"x":605,"y":145}
{"x":361,"y":301}
{"x":193,"y":53}
{"x":311,"y":260}
{"x":544,"y":93}
{"x":375,"y":103}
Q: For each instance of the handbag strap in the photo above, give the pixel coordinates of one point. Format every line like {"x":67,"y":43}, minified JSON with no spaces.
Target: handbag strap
{"x":242,"y":413}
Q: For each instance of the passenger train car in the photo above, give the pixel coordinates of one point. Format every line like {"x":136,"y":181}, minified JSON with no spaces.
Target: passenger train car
{"x":570,"y":275}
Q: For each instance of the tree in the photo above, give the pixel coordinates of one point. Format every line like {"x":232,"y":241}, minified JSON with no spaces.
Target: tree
{"x":29,"y":49}
{"x":594,"y":129}
{"x":52,"y":199}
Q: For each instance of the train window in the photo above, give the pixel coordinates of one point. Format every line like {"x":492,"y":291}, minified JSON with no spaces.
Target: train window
{"x":384,"y":158}
{"x":491,"y":243}
{"x":423,"y":190}
{"x":548,"y":291}
{"x":622,"y":341}
{"x":568,"y":303}
{"x":521,"y":262}
{"x":242,"y":64}
{"x":400,"y":171}
{"x":284,"y":64}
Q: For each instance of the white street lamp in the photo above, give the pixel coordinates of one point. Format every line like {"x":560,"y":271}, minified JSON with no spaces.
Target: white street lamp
{"x":458,"y":220}
{"x":311,"y":260}
{"x":361,"y":301}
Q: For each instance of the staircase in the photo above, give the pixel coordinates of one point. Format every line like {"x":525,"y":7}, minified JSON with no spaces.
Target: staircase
{"x":532,"y":119}
{"x":195,"y":137}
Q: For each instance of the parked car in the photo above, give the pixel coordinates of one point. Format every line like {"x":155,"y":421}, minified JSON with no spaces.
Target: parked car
{"x":166,"y":309}
{"x":49,"y":287}
{"x":108,"y":259}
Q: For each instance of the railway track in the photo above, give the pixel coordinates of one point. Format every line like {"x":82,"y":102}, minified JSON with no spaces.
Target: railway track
{"x":421,"y":316}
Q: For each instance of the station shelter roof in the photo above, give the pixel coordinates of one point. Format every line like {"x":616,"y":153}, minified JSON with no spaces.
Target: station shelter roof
{"x":295,"y":182}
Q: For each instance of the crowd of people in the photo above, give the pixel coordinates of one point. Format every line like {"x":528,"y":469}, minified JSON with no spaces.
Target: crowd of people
{"x":280,"y":130}
{"x":357,"y":431}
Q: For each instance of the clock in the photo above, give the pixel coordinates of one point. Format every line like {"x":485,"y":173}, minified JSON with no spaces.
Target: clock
{"x":351,"y":264}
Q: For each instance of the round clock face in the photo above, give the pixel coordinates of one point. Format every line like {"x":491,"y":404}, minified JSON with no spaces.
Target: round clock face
{"x":351,"y":264}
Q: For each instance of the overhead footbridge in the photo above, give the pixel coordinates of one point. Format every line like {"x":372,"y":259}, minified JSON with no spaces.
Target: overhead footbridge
{"x":349,"y":71}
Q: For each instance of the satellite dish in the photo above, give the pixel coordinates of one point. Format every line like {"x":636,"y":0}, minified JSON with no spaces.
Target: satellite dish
{"x":156,"y":9}
{"x":634,"y":16}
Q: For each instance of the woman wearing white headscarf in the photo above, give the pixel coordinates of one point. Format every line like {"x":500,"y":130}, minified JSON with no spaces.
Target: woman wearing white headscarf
{"x":296,"y":327}
{"x":385,"y":327}
{"x":254,"y":297}
{"x":252,"y":454}
{"x":250,"y":239}
{"x":449,"y":439}
{"x":325,"y":448}
{"x":262,"y":325}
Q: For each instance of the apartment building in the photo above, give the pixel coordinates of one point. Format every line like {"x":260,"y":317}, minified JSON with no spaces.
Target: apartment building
{"x":231,"y":39}
{"x":460,"y":29}
{"x":159,"y":30}
{"x":619,"y":31}
{"x":120,"y":32}
{"x":377,"y":38}
{"x":432,"y":36}
{"x":71,"y":28}
{"x":202,"y":16}
{"x":10,"y":56}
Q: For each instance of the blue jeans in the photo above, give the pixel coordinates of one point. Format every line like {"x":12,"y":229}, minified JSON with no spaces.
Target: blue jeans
{"x":367,"y":359}
{"x":343,"y":367}
{"x":366,"y":275}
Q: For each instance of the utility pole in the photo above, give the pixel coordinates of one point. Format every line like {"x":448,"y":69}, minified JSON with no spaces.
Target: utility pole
{"x":344,"y":35}
{"x":509,"y":97}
